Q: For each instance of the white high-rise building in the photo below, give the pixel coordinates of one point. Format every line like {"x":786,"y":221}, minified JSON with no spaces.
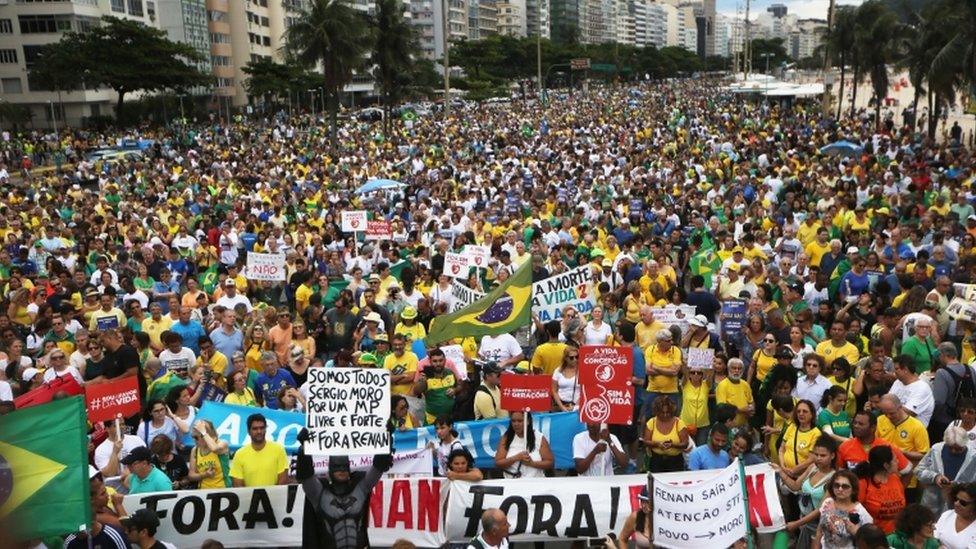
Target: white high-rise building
{"x":428,"y":18}
{"x":512,"y":18}
{"x":537,"y":18}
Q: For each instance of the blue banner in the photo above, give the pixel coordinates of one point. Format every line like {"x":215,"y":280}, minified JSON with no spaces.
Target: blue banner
{"x":479,"y":437}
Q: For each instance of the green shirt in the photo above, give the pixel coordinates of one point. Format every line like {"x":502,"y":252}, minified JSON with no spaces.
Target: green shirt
{"x":840,"y":423}
{"x":923,"y":353}
{"x":899,"y":540}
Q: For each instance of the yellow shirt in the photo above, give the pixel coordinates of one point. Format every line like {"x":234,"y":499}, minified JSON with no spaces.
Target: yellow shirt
{"x":259,"y":468}
{"x":815,"y":250}
{"x":762,"y":364}
{"x":217,"y":363}
{"x":674,"y":436}
{"x":737,"y":394}
{"x":807,"y":233}
{"x":413,"y":333}
{"x":252,"y":358}
{"x":851,"y":406}
{"x":154,"y":328}
{"x":101,"y":320}
{"x":548,"y":357}
{"x":302,"y":296}
{"x":401,"y":365}
{"x":831,"y":353}
{"x":798,"y":444}
{"x":908,"y":436}
{"x":205,"y":462}
{"x":694,"y":404}
{"x":669,"y":360}
{"x":244,"y":399}
{"x":646,"y":333}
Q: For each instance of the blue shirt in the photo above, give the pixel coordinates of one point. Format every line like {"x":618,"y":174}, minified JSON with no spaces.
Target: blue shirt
{"x":854,"y":284}
{"x":228,"y":344}
{"x":155,"y":481}
{"x":702,"y":458}
{"x":268,"y":386}
{"x":191,"y":332}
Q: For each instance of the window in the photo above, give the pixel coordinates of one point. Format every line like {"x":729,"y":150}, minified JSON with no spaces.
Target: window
{"x":219,"y":38}
{"x":8,"y":56}
{"x":218,"y":15}
{"x":266,"y":40}
{"x":225,"y":82}
{"x":265,"y":22}
{"x":118,"y":6}
{"x":220,"y":60}
{"x":135,"y":8}
{"x":12,"y":85}
{"x":37,"y":24}
{"x":6,"y":26}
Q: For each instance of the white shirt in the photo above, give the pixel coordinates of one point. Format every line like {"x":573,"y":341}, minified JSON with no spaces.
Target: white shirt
{"x":103,"y":453}
{"x":811,"y":390}
{"x":183,"y":360}
{"x":139,"y":296}
{"x":231,"y":302}
{"x":6,"y":394}
{"x":602,"y":465}
{"x":916,"y":397}
{"x":597,"y":336}
{"x":499,"y":348}
{"x":486,"y":545}
{"x":945,"y":532}
{"x":50,"y":374}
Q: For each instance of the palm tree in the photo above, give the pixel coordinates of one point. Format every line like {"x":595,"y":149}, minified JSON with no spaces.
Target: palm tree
{"x":960,"y":50}
{"x":394,"y":49}
{"x":923,"y":39}
{"x":839,"y":40}
{"x":330,"y":34}
{"x":876,"y":35}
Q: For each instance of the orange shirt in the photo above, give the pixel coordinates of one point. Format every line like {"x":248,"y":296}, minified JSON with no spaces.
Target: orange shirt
{"x":280,"y":342}
{"x":883,"y":501}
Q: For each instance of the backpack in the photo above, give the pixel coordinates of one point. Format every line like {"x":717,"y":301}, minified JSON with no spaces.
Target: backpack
{"x":965,"y":387}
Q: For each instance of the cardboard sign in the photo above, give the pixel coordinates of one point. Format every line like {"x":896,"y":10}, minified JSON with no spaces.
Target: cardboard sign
{"x":478,"y":256}
{"x":379,"y":230}
{"x":607,"y":391}
{"x":45,"y":393}
{"x":104,"y":401}
{"x":700,"y":359}
{"x":348,"y":409}
{"x":455,"y":265}
{"x":551,"y":295}
{"x":671,"y":315}
{"x":711,"y":513}
{"x":269,"y":267}
{"x":526,"y":392}
{"x":463,"y":296}
{"x":353,"y":221}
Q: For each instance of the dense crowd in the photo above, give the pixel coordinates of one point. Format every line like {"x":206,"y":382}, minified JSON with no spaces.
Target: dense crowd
{"x":849,"y":374}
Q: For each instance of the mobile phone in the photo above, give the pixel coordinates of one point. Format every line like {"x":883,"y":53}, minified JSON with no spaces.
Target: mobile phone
{"x":854,"y":518}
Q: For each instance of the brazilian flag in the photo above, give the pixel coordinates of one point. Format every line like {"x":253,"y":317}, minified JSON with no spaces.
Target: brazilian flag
{"x":208,"y":279}
{"x":44,"y":470}
{"x":504,"y":309}
{"x":705,"y":263}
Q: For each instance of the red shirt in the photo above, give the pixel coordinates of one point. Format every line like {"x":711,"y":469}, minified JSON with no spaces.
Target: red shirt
{"x":883,"y":501}
{"x":850,"y":453}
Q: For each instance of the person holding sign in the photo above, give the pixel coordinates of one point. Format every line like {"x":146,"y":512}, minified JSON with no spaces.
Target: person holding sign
{"x":523,"y":451}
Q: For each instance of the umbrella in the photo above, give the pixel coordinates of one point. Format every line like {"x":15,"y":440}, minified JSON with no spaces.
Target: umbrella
{"x":842,"y":148}
{"x":379,"y":185}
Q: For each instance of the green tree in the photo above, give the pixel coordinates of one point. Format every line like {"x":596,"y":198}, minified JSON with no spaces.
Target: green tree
{"x":773,"y":48}
{"x":394,"y":51}
{"x":922,"y":39}
{"x":125,"y":56}
{"x":267,"y":79}
{"x":839,"y":41}
{"x":960,"y":51}
{"x":331,"y":34}
{"x":877,"y":38}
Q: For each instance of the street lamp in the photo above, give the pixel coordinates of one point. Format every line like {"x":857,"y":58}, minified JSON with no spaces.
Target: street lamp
{"x":767,"y":55}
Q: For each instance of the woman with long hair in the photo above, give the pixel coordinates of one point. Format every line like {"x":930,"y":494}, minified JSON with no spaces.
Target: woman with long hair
{"x":639,"y":524}
{"x":810,"y":486}
{"x":156,"y":421}
{"x":833,"y":418}
{"x":447,"y":443}
{"x":209,"y":460}
{"x":797,"y":439}
{"x":597,"y":332}
{"x":956,"y":528}
{"x":240,"y":394}
{"x":799,"y":346}
{"x":255,"y":342}
{"x":840,"y":513}
{"x":914,"y":529}
{"x":460,"y":466}
{"x":565,"y":387}
{"x":401,"y":418}
{"x":523,"y":451}
{"x":180,"y":409}
{"x":665,"y":437}
{"x":880,"y":487}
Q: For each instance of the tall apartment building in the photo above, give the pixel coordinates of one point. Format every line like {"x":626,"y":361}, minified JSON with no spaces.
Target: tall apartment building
{"x":27,"y":26}
{"x":625,"y":22}
{"x":427,"y":16}
{"x":537,"y":18}
{"x":806,"y":37}
{"x":512,"y":18}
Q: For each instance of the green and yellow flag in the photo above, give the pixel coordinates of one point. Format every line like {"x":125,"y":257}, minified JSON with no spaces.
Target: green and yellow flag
{"x":208,"y":279}
{"x":503,"y":310}
{"x":705,"y":263}
{"x":44,"y":470}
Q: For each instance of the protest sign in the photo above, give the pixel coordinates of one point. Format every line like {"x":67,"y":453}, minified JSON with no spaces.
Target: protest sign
{"x":607,"y":394}
{"x":455,"y":355}
{"x":238,"y":517}
{"x":962,"y":309}
{"x":478,"y":256}
{"x":347,"y":411}
{"x":353,"y":221}
{"x":526,"y":392}
{"x":105,"y":401}
{"x":230,"y":422}
{"x":965,"y":291}
{"x":379,"y":230}
{"x":711,"y":512}
{"x":674,"y":315}
{"x":407,"y":509}
{"x":269,"y":267}
{"x":455,"y":265}
{"x":539,"y":509}
{"x":463,"y":296}
{"x":700,"y":359}
{"x":414,"y":463}
{"x":733,"y":316}
{"x":45,"y":393}
{"x":765,"y":511}
{"x":551,"y":295}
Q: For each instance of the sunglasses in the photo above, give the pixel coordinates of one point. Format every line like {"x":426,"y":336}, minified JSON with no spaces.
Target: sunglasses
{"x":840,"y":486}
{"x":964,"y":502}
{"x":770,"y":340}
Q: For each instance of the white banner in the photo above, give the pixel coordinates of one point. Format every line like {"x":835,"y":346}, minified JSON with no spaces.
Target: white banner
{"x":410,"y":463}
{"x":265,"y":267}
{"x":765,"y":511}
{"x":272,"y":516}
{"x":455,"y":265}
{"x":542,"y":510}
{"x":700,"y":359}
{"x":463,"y":296}
{"x":354,"y":221}
{"x":551,"y":295}
{"x":674,"y":314}
{"x":347,"y":411}
{"x":711,"y":512}
{"x":478,"y":256}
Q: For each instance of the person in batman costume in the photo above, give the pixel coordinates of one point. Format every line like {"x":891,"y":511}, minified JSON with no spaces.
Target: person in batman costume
{"x":339,"y":505}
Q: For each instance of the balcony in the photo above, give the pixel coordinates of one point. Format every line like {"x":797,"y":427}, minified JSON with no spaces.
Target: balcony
{"x":218,"y":5}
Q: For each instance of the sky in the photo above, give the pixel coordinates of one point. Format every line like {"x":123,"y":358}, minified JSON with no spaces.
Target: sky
{"x":802,"y":8}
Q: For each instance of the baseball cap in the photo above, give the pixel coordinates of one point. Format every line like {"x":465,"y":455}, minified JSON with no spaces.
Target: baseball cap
{"x":29,"y":373}
{"x":230,"y":282}
{"x":699,"y":321}
{"x":142,"y":519}
{"x":140,"y":453}
{"x":607,"y":263}
{"x":853,"y":250}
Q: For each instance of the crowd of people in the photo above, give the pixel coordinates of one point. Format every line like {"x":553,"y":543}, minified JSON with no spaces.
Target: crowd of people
{"x":850,"y":374}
